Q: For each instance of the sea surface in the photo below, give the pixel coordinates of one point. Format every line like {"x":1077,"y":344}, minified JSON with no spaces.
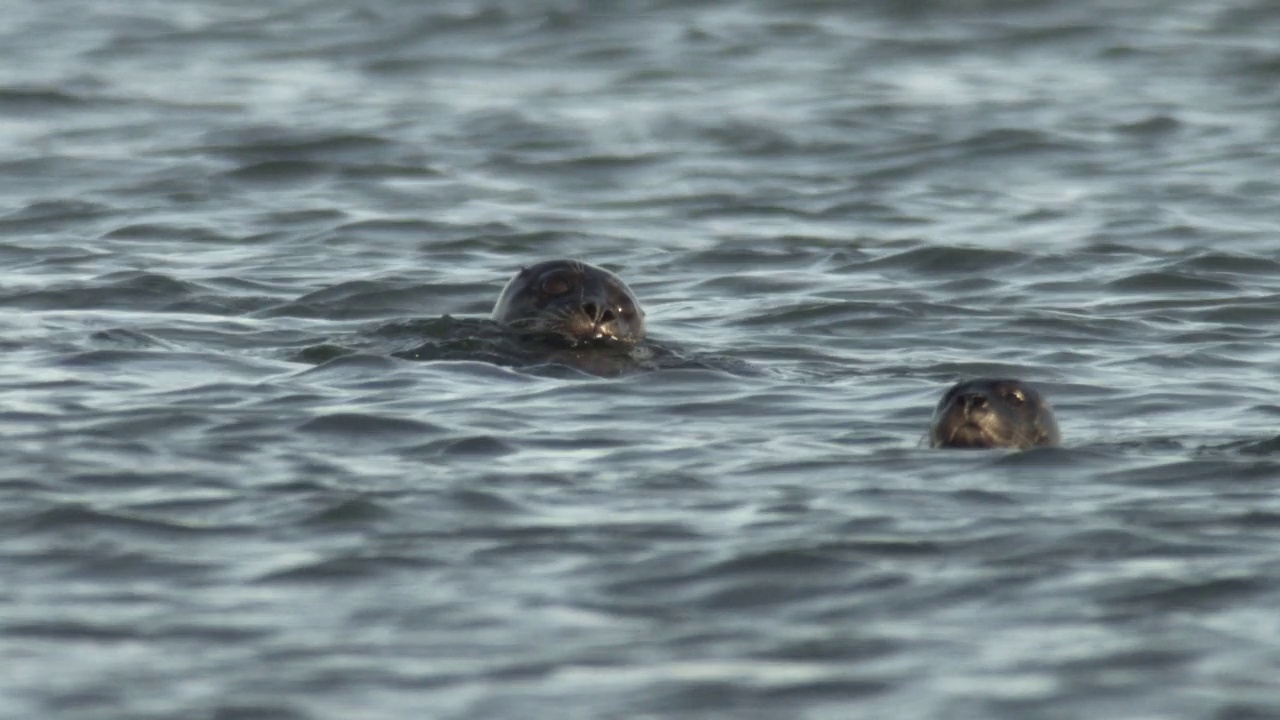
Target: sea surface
{"x":263,"y":458}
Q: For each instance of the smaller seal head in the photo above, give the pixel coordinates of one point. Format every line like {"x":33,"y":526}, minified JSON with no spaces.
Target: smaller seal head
{"x":573,"y":301}
{"x":991,"y":413}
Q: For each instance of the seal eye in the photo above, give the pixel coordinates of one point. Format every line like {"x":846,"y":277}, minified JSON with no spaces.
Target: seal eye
{"x":555,"y":286}
{"x":1015,"y":397}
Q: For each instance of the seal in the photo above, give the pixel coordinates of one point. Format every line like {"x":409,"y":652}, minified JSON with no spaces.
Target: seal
{"x":993,"y":413}
{"x":573,"y":301}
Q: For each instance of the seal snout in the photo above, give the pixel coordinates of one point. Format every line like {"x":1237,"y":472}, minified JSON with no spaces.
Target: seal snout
{"x":606,"y":320}
{"x":599,"y":313}
{"x":971,"y":402}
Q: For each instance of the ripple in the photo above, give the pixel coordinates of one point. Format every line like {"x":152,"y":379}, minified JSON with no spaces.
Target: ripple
{"x":482,"y":501}
{"x":1162,"y":282}
{"x":72,"y":631}
{"x":478,"y":446}
{"x":282,"y":144}
{"x":126,"y":338}
{"x":120,"y":290}
{"x":355,"y":512}
{"x":36,"y":99}
{"x":152,"y":232}
{"x":1182,"y":596}
{"x":367,"y":426}
{"x":49,"y":215}
{"x":948,"y":260}
{"x":280,"y":171}
{"x":80,"y":518}
{"x":346,"y":568}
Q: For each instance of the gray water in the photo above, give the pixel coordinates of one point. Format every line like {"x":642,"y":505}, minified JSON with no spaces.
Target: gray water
{"x":228,"y":493}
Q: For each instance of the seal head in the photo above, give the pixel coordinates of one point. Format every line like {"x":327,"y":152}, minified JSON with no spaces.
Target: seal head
{"x":573,"y":301}
{"x":993,"y":413}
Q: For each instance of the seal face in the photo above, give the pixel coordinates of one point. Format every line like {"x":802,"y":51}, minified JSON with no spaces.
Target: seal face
{"x":573,"y":301}
{"x":993,"y":413}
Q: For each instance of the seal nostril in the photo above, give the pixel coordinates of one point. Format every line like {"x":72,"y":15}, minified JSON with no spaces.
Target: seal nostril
{"x":608,"y":316}
{"x":973,"y":401}
{"x":590,"y":309}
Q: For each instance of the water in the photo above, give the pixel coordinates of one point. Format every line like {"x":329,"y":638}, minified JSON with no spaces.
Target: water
{"x":227,"y":493}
